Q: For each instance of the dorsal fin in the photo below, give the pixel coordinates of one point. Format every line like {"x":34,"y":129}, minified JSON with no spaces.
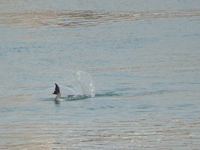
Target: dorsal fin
{"x":57,"y":89}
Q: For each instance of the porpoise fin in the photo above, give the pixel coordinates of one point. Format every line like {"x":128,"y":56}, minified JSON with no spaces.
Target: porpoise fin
{"x":57,"y":89}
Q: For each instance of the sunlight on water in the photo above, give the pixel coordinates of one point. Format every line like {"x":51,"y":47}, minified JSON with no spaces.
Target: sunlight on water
{"x":87,"y":18}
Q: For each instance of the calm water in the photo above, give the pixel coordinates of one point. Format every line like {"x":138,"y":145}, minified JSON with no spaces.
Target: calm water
{"x":140,"y":60}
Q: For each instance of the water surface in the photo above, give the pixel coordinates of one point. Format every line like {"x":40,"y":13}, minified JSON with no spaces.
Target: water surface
{"x":140,"y":59}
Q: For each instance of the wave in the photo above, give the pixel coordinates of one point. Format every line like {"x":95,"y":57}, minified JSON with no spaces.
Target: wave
{"x":108,"y":94}
{"x":82,"y":97}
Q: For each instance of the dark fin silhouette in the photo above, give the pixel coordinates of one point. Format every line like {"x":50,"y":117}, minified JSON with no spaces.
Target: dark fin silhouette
{"x":54,"y":92}
{"x":57,"y":89}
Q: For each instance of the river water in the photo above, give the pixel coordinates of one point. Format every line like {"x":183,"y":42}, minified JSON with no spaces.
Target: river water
{"x":137,"y":62}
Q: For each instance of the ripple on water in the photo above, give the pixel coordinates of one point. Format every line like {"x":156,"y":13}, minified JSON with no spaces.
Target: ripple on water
{"x":136,"y":133}
{"x":86,"y":18}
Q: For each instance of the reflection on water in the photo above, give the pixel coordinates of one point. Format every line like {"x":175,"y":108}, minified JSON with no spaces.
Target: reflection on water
{"x":86,"y":18}
{"x":105,"y":134}
{"x":108,"y":121}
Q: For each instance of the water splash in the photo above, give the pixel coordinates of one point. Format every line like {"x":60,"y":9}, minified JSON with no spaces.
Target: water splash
{"x":82,"y":85}
{"x":78,"y":86}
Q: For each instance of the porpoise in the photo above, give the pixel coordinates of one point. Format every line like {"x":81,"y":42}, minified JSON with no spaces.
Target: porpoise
{"x":57,"y":91}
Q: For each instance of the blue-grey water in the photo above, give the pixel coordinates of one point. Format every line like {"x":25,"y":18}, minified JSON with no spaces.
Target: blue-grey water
{"x":136,"y":65}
